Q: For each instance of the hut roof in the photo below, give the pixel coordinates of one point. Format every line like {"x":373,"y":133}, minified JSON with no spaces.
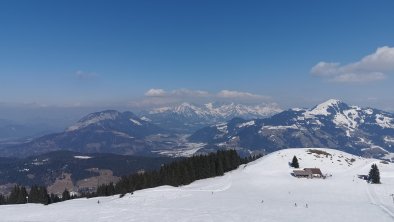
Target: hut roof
{"x":314,"y":170}
{"x":301,"y":173}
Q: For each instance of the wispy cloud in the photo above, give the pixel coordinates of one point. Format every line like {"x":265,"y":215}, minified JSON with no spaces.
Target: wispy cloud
{"x":82,"y":75}
{"x":230,"y":94}
{"x":373,"y":67}
{"x":176,"y":93}
{"x":157,"y":96}
{"x":156,"y":93}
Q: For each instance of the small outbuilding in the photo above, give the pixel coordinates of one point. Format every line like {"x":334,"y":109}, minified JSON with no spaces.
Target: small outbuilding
{"x":314,"y":172}
{"x":301,"y":173}
{"x":308,"y":173}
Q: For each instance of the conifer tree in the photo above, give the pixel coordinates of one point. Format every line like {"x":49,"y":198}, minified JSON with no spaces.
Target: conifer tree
{"x":2,"y":199}
{"x":13,"y":197}
{"x":22,"y":197}
{"x":43,"y":195}
{"x":374,"y":174}
{"x":54,"y":198}
{"x":294,"y":162}
{"x":66,"y":195}
{"x":34,"y":194}
{"x":109,"y":189}
{"x":219,"y":167}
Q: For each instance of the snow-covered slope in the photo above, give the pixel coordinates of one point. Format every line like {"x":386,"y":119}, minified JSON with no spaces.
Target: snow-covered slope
{"x":331,"y":124}
{"x":188,"y":117}
{"x":263,"y":190}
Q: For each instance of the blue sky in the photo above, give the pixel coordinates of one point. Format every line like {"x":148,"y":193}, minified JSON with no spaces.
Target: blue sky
{"x":118,"y":52}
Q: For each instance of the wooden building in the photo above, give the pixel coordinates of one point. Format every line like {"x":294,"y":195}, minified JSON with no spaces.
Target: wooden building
{"x":308,"y":173}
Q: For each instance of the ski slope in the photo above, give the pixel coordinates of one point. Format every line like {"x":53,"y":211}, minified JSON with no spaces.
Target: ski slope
{"x":262,"y":190}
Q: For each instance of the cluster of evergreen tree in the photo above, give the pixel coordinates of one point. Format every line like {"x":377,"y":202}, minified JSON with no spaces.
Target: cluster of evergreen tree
{"x":178,"y":173}
{"x":37,"y":194}
{"x":106,"y":190}
{"x":251,"y":158}
{"x":18,"y":195}
{"x":374,"y":174}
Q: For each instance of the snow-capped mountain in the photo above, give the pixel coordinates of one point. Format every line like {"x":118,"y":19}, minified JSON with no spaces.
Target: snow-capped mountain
{"x":117,"y":122}
{"x":263,"y":190}
{"x":108,"y":131}
{"x":332,"y":124}
{"x":187,"y":117}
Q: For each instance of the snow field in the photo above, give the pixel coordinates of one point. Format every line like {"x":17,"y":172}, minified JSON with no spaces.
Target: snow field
{"x":263,"y":190}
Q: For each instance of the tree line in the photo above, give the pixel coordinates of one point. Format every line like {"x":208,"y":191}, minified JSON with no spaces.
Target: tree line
{"x":181,"y":172}
{"x":177,"y":173}
{"x":37,"y":194}
{"x":19,"y":195}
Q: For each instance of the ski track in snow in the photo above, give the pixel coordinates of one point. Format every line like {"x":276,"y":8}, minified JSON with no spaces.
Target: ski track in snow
{"x":376,"y":200}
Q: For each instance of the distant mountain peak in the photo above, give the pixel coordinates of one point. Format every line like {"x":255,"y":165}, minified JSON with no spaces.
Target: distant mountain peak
{"x":327,"y":107}
{"x":107,"y":131}
{"x":94,"y":118}
{"x":332,"y":102}
{"x":187,"y":108}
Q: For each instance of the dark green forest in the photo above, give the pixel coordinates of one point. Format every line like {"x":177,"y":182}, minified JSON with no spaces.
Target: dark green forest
{"x":180,"y":172}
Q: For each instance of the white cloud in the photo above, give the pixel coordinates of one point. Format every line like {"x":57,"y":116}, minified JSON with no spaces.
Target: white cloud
{"x":156,"y":96}
{"x":325,"y":69}
{"x":81,"y":75}
{"x":156,"y":93}
{"x":373,"y":67}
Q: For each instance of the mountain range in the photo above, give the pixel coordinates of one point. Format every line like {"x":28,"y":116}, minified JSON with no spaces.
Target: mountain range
{"x":187,"y":117}
{"x":333,"y":124}
{"x":101,"y":132}
{"x":154,"y":132}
